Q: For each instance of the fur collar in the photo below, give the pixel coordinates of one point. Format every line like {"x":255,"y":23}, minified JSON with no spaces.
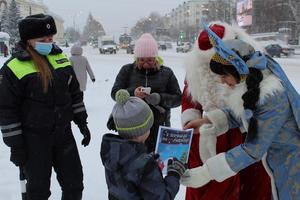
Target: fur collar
{"x":201,"y":81}
{"x":268,"y":87}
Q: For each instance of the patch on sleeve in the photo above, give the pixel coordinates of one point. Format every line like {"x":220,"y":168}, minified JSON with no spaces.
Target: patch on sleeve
{"x":63,"y":60}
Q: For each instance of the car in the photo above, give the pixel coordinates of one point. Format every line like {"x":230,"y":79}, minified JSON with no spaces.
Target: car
{"x":287,"y":50}
{"x":162,"y":47}
{"x":183,"y":47}
{"x":169,"y":45}
{"x":278,"y":50}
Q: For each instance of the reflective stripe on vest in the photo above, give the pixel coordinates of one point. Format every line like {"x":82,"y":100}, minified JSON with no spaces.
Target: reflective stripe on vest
{"x":23,"y":68}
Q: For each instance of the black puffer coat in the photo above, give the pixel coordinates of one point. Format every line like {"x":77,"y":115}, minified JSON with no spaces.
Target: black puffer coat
{"x":24,"y":104}
{"x":161,"y":81}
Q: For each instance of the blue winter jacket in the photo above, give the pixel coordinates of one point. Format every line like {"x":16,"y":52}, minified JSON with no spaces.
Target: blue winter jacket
{"x":132,"y":174}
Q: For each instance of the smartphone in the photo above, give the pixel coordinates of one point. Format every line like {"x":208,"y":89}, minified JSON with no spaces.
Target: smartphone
{"x":146,"y":90}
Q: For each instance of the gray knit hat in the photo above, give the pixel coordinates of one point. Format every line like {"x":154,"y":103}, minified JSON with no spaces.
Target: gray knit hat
{"x":132,"y":116}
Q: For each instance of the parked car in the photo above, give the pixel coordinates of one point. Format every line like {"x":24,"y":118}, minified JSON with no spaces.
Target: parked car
{"x":169,"y":45}
{"x":278,"y":50}
{"x":183,"y":47}
{"x":162,"y":47}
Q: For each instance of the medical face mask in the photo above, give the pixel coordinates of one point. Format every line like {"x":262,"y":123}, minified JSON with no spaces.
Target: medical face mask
{"x":43,"y":48}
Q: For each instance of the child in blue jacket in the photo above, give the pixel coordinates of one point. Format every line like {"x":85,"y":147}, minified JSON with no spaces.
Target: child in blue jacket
{"x":132,"y":173}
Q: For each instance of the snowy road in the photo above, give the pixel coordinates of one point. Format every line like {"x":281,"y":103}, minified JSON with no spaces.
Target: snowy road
{"x":99,"y":105}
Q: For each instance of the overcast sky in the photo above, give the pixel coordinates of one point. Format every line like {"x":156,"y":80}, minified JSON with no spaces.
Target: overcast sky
{"x":114,"y":15}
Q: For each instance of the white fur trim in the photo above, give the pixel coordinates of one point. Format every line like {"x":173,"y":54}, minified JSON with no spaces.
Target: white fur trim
{"x":200,"y":79}
{"x":269,"y":172}
{"x":196,"y":177}
{"x":219,"y":120}
{"x":219,"y":168}
{"x":207,"y":142}
{"x":189,"y":115}
{"x":233,"y":97}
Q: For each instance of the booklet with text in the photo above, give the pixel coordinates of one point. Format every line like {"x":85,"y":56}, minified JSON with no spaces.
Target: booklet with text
{"x":173,"y":143}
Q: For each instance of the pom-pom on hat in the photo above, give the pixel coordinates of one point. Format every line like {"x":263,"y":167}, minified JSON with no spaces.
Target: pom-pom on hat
{"x":36,"y":26}
{"x":132,"y":116}
{"x":146,"y":47}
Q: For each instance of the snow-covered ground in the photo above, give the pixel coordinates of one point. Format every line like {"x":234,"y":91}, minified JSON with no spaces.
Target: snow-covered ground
{"x":99,"y":105}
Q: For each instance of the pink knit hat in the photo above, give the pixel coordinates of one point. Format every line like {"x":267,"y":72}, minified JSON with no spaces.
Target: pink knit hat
{"x":146,"y":47}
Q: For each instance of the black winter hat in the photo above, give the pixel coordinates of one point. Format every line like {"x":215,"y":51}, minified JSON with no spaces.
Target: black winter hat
{"x":35,"y":26}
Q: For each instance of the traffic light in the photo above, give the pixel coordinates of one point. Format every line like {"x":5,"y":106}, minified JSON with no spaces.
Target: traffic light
{"x":182,"y":35}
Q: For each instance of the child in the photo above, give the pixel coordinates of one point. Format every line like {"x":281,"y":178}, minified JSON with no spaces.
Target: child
{"x":132,"y":173}
{"x":81,"y":66}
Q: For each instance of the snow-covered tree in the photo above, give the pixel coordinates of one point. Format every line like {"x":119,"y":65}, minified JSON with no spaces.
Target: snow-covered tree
{"x":92,"y":30}
{"x":4,"y":21}
{"x":72,"y":35}
{"x":13,"y":16}
{"x":150,"y":24}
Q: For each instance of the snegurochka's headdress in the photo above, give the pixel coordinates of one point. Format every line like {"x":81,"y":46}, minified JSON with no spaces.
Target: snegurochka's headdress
{"x":260,"y":61}
{"x":233,"y":52}
{"x":226,"y":53}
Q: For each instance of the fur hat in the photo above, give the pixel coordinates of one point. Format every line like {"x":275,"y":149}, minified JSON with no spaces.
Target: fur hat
{"x":132,"y":116}
{"x":146,"y":46}
{"x":35,"y":26}
{"x":200,"y":79}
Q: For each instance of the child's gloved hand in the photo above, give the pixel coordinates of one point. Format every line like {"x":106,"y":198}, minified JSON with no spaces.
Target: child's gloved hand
{"x":176,"y":167}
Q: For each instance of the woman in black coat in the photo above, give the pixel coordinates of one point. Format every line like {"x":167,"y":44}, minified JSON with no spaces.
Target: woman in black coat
{"x":147,"y":79}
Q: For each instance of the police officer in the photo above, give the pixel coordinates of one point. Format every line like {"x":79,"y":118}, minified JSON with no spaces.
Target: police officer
{"x":39,"y":97}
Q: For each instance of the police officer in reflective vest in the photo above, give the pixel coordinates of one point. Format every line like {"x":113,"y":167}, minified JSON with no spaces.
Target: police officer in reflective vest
{"x":39,"y":97}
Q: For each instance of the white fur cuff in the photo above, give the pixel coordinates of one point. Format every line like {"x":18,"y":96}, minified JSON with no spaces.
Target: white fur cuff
{"x":219,"y":120}
{"x":218,"y":168}
{"x":189,"y":115}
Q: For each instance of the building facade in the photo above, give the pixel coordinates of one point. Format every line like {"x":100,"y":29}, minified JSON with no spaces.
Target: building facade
{"x":279,"y":16}
{"x":187,"y":14}
{"x":30,"y":7}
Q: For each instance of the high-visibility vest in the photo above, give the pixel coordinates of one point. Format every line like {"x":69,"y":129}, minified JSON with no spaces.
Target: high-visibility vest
{"x":23,"y":68}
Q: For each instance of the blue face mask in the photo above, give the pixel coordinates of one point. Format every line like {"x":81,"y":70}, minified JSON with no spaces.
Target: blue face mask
{"x":43,"y":48}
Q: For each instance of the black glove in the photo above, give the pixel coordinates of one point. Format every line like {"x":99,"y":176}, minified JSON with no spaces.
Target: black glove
{"x":18,"y":155}
{"x":86,"y":135}
{"x":176,"y":167}
{"x":111,"y":124}
{"x":93,"y":80}
{"x":153,"y":99}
